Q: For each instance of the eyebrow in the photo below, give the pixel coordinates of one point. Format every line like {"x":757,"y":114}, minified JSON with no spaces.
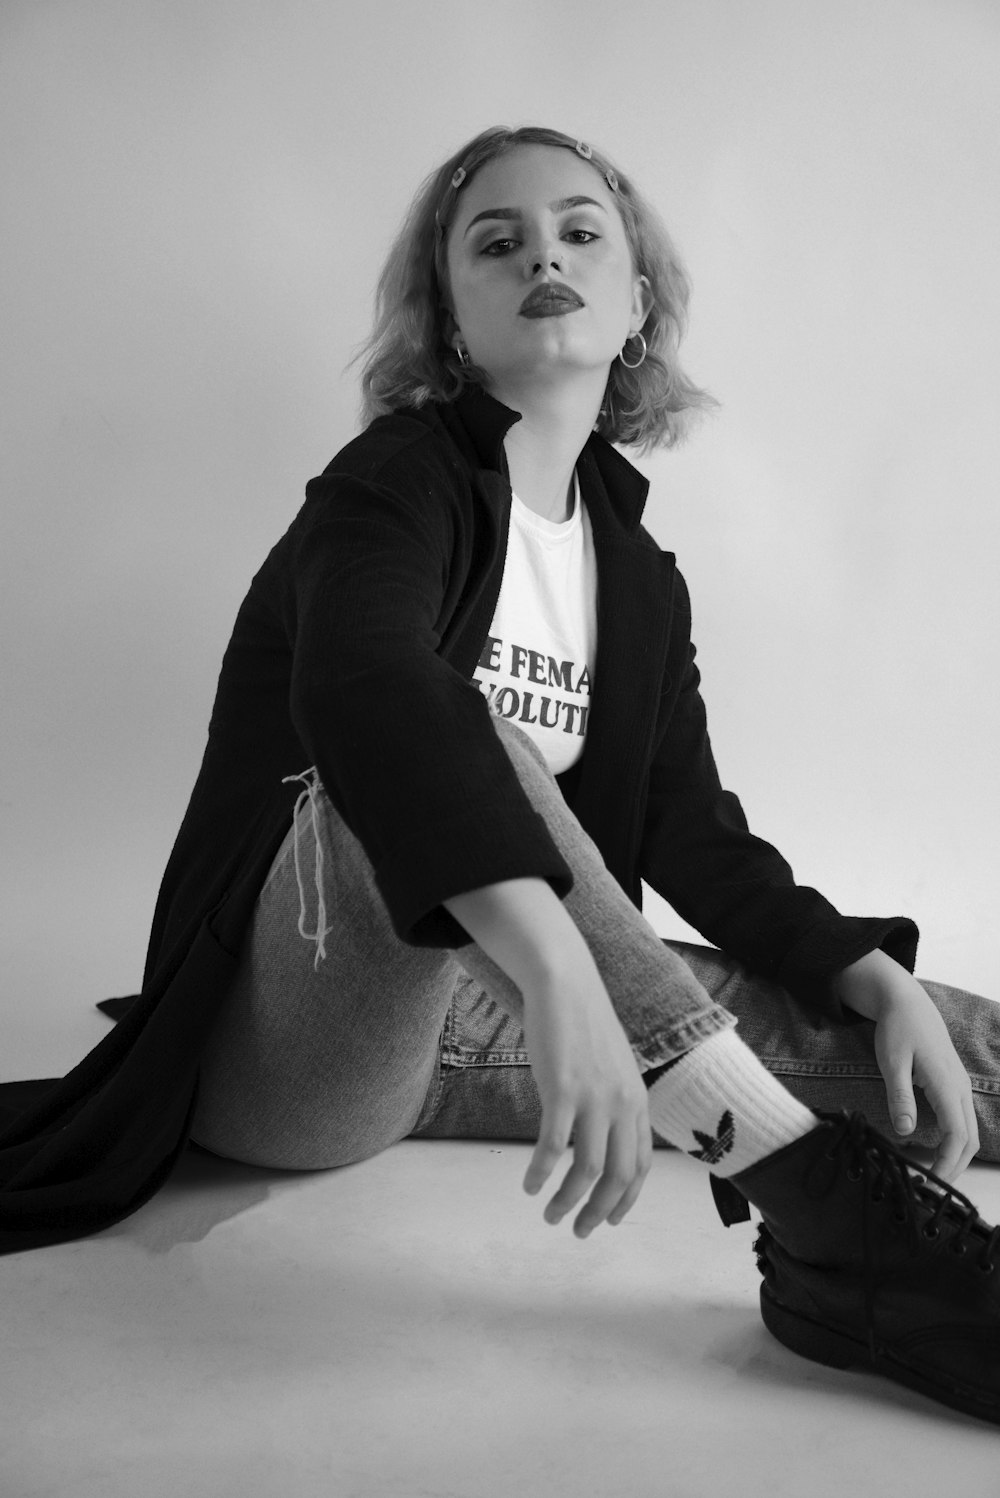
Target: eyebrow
{"x":515,"y":213}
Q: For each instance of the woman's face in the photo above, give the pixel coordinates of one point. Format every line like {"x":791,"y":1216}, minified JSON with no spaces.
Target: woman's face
{"x":536,"y":224}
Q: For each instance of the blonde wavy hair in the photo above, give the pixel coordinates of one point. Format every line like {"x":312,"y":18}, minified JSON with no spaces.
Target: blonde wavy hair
{"x":408,"y":360}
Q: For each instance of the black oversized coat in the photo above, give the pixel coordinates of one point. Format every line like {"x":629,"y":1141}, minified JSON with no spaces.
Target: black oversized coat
{"x":353,"y":652}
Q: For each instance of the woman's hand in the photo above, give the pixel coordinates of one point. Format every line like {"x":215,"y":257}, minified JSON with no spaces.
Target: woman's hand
{"x":912,"y":1045}
{"x":585,"y":1070}
{"x":591,"y":1088}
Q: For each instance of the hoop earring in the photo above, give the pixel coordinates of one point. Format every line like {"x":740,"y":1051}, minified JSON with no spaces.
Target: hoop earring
{"x":642,"y":357}
{"x":463,"y":357}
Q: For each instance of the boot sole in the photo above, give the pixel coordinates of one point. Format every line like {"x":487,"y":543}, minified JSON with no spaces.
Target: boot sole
{"x":811,"y":1339}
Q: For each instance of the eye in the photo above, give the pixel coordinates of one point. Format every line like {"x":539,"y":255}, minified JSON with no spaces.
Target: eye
{"x":498,"y":247}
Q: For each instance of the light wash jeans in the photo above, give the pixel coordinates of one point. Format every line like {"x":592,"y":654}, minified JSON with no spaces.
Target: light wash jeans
{"x":331,"y":1048}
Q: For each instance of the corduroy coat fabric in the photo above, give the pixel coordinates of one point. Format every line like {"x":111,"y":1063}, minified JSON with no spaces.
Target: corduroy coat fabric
{"x":353,"y":652}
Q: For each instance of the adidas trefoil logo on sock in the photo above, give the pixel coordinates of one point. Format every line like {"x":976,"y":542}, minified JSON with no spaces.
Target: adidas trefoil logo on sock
{"x":721,"y":1079}
{"x":713,"y":1147}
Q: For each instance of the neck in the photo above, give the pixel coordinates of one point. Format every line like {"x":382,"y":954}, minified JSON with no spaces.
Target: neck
{"x":543,"y":448}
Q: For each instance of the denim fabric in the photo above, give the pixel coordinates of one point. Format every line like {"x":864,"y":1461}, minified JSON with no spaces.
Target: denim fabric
{"x":330,"y":1044}
{"x":483,"y":1087}
{"x":337,"y":1039}
{"x":831,"y":1066}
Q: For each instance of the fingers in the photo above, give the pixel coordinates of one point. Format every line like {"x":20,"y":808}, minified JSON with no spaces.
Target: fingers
{"x":972,"y":1149}
{"x":617,"y":1189}
{"x":913,"y":1046}
{"x":589,"y":1148}
{"x":950,"y":1096}
{"x":553,"y":1140}
{"x":956,"y":1117}
{"x":612,"y":1164}
{"x":644,"y":1157}
{"x":899,"y":1095}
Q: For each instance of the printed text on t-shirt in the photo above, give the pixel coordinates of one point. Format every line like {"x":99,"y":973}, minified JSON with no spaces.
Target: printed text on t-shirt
{"x":540,"y":670}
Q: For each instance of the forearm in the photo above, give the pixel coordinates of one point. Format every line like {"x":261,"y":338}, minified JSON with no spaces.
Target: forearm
{"x":523,"y":926}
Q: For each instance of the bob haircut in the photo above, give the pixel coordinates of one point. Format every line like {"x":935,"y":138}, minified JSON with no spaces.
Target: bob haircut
{"x":408,"y":360}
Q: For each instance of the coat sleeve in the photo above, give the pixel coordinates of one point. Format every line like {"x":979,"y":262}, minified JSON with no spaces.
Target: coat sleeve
{"x":404,"y":745}
{"x":733,"y":887}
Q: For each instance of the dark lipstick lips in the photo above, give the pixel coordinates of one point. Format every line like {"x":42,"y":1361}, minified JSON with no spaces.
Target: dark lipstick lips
{"x":545,"y":299}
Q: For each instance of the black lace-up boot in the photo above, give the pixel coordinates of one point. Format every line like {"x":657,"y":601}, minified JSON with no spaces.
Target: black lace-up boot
{"x":868,"y":1260}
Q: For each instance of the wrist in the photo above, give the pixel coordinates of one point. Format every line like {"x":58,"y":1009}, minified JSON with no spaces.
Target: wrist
{"x":869,"y":984}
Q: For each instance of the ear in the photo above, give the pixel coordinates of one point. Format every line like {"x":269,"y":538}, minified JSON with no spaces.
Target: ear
{"x":450,"y":329}
{"x":643,"y":301}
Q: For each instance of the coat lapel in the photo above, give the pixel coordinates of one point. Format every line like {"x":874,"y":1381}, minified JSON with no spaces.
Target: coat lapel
{"x":634,"y":597}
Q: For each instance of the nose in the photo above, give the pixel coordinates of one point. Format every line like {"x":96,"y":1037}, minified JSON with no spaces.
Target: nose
{"x":543,"y":254}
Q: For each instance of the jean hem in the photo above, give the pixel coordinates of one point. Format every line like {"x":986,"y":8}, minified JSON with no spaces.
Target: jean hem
{"x":667,"y":1045}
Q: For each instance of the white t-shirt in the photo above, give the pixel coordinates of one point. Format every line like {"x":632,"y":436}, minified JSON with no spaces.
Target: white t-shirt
{"x":538,"y":661}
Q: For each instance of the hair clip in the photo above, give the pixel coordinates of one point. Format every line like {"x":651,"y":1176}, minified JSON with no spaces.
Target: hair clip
{"x":587,"y":152}
{"x":458,"y":178}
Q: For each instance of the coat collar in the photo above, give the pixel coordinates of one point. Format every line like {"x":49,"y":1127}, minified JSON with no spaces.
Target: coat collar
{"x":479,"y":422}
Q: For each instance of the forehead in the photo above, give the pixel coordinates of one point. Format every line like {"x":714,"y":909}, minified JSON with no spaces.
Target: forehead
{"x":530,"y":176}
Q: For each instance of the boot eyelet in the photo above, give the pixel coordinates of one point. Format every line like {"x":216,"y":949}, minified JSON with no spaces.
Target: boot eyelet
{"x":931,"y":1232}
{"x":854,"y":1175}
{"x":899,"y":1216}
{"x":958,"y":1249}
{"x":987,"y":1268}
{"x":878,"y":1196}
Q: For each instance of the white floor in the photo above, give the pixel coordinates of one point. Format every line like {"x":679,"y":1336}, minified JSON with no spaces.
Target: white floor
{"x":411,"y":1326}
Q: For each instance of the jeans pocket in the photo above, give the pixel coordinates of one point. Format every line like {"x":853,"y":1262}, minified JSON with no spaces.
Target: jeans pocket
{"x":479,"y":1031}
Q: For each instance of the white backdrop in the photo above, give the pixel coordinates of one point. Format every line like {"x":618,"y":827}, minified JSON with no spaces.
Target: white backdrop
{"x":197,"y":196}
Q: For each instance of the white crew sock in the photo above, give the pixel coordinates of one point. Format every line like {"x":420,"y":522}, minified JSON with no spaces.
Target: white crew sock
{"x":721,"y":1100}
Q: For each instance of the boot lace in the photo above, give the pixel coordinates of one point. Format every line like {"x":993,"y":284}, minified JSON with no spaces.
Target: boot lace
{"x":927,"y":1205}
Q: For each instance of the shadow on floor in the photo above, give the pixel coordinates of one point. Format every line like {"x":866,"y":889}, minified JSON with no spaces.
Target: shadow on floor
{"x":203,"y":1191}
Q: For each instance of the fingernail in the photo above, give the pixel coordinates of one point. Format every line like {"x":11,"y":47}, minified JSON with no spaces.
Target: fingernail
{"x":904,"y":1124}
